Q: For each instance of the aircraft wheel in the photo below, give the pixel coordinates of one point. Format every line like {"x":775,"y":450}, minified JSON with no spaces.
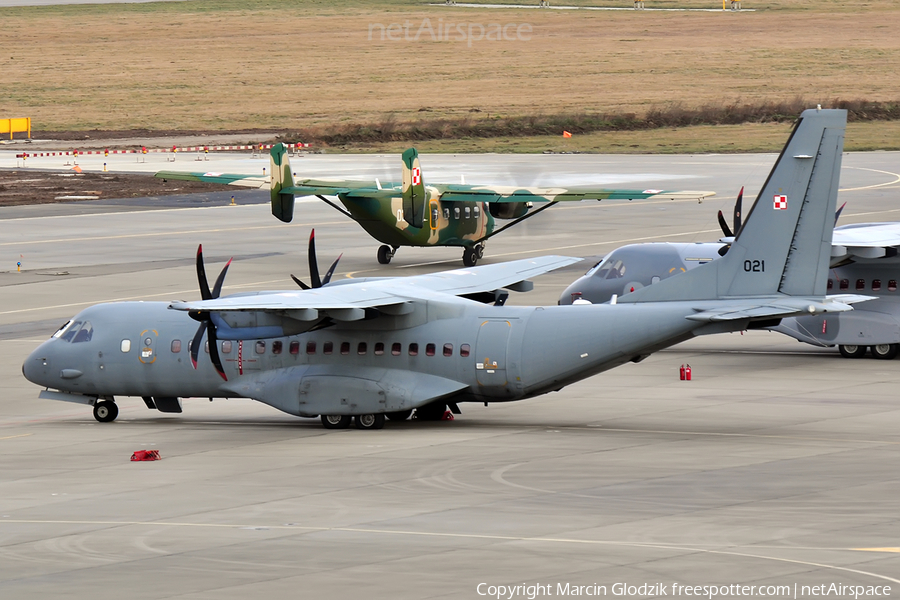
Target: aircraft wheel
{"x":470,"y":256}
{"x":400,"y":415}
{"x":852,"y":351}
{"x":431,"y":412}
{"x":385,"y":254}
{"x":106,"y":411}
{"x":884,"y":351}
{"x":480,"y":248}
{"x":336,"y":421}
{"x":369,"y":421}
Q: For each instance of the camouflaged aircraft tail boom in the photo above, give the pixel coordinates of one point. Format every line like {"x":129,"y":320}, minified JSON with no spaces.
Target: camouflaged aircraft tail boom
{"x":282,"y":177}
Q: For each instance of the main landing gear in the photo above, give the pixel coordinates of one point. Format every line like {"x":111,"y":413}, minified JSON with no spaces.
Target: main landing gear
{"x":880,"y":351}
{"x":361,"y":421}
{"x":106,"y":411}
{"x":385,"y":254}
{"x":472,"y":254}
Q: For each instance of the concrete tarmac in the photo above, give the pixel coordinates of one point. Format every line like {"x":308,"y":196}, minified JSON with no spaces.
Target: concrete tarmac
{"x":777,"y":465}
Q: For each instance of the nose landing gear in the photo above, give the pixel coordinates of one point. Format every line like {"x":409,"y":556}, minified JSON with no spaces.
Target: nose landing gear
{"x":106,"y":411}
{"x":472,"y":254}
{"x":385,"y":254}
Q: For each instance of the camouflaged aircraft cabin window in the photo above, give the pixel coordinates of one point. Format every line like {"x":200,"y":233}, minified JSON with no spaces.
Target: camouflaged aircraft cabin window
{"x":310,"y":347}
{"x":260,"y":347}
{"x":328,"y":348}
{"x":396,"y":348}
{"x":468,"y":212}
{"x":126,"y":346}
{"x":860,"y":284}
{"x":379,"y":348}
{"x":414,"y":349}
{"x":447,"y":214}
{"x":345,"y":347}
{"x":876,"y":285}
{"x":226,"y":347}
{"x":456,"y":212}
{"x":429,"y":349}
{"x":175,"y":346}
{"x":448,"y":349}
{"x":892,"y":285}
{"x":845,"y":284}
{"x":476,"y":210}
{"x":464,"y":350}
{"x":277,"y":345}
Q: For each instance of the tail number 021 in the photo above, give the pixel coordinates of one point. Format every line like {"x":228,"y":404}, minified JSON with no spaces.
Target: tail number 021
{"x":755,"y":266}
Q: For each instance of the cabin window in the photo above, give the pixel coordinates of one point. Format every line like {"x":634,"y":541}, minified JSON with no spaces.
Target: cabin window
{"x":435,"y":215}
{"x":464,"y":350}
{"x":126,"y":346}
{"x":396,"y":348}
{"x":345,"y":347}
{"x":448,"y":349}
{"x":260,"y":347}
{"x":447,"y":214}
{"x":476,"y":210}
{"x":429,"y":349}
{"x":468,"y":212}
{"x":294,"y":348}
{"x":310,"y":347}
{"x":328,"y":348}
{"x":831,"y":284}
{"x":362,"y":348}
{"x":226,"y":347}
{"x":277,"y":345}
{"x":860,"y":284}
{"x":876,"y":285}
{"x":379,"y":348}
{"x":455,"y":212}
{"x":176,"y":346}
{"x":892,"y":285}
{"x":845,"y":284}
{"x":414,"y":349}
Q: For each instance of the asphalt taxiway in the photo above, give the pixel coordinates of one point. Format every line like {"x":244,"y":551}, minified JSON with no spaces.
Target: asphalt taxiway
{"x":778,"y":464}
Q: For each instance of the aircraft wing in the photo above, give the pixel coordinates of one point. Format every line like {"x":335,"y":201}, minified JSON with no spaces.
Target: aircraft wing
{"x":865,"y":240}
{"x":493,"y":193}
{"x":348,"y":301}
{"x":250,"y":181}
{"x":776,"y":308}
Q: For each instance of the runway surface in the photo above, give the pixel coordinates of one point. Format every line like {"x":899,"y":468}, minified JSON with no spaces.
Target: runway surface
{"x":777,"y":465}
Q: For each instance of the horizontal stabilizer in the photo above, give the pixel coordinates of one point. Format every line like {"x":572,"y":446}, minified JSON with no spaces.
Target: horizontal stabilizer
{"x":780,"y":308}
{"x":248,"y":181}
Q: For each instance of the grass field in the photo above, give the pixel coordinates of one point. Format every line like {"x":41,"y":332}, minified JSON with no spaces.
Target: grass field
{"x":311,"y":65}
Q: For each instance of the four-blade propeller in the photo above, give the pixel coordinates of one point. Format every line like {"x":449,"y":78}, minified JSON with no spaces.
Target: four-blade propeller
{"x":314,"y":267}
{"x":206,"y":323}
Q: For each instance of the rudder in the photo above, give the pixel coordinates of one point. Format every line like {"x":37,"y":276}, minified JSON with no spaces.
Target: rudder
{"x":281,"y":177}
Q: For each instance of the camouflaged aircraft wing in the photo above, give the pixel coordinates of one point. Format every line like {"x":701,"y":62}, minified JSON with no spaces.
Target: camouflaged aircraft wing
{"x":394,"y":295}
{"x":249,"y":181}
{"x":491,"y":193}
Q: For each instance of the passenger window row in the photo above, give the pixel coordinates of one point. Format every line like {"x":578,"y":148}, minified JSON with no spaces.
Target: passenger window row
{"x":362,"y":348}
{"x":467,"y":212}
{"x":844,"y":285}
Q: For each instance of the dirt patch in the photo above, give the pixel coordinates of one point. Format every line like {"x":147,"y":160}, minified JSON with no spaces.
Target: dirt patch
{"x":42,"y":187}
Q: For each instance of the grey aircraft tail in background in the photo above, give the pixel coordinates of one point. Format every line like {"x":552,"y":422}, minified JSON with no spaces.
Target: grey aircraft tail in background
{"x":361,"y":350}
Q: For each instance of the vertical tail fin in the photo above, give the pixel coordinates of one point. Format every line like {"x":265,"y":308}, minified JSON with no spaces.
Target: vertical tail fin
{"x":413,"y":189}
{"x":282,"y":177}
{"x":784,"y":245}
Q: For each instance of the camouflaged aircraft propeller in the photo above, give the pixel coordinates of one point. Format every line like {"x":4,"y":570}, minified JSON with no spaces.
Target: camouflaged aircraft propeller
{"x":411,"y":213}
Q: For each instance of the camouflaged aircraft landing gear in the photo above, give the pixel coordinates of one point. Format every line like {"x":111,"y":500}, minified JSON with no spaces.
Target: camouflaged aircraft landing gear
{"x":336,"y":421}
{"x":472,"y":254}
{"x":106,"y":411}
{"x":386,"y":253}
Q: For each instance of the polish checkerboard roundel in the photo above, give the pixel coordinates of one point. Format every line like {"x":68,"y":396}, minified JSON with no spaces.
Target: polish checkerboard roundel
{"x":780,"y":202}
{"x":416,"y":176}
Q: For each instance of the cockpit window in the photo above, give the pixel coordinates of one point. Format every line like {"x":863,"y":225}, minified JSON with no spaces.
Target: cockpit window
{"x":609,"y":269}
{"x":62,"y":329}
{"x":84,"y":334}
{"x":69,"y":332}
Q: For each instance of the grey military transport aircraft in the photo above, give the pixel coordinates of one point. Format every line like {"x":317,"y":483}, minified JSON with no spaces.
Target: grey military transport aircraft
{"x":361,"y":350}
{"x":864,"y":260}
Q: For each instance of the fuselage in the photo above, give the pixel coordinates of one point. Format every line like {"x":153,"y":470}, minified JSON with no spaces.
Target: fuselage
{"x":461,"y":350}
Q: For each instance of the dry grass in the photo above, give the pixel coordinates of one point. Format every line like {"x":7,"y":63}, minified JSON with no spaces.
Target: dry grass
{"x":230,"y":64}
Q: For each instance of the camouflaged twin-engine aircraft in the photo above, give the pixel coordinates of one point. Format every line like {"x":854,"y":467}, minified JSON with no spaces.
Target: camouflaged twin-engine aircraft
{"x":411,"y":213}
{"x":363,"y":349}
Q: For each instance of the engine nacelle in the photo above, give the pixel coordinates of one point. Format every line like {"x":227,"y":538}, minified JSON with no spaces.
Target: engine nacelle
{"x":508,"y":210}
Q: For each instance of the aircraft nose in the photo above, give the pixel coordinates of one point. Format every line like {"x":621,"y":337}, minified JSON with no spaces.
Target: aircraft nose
{"x":37,"y":366}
